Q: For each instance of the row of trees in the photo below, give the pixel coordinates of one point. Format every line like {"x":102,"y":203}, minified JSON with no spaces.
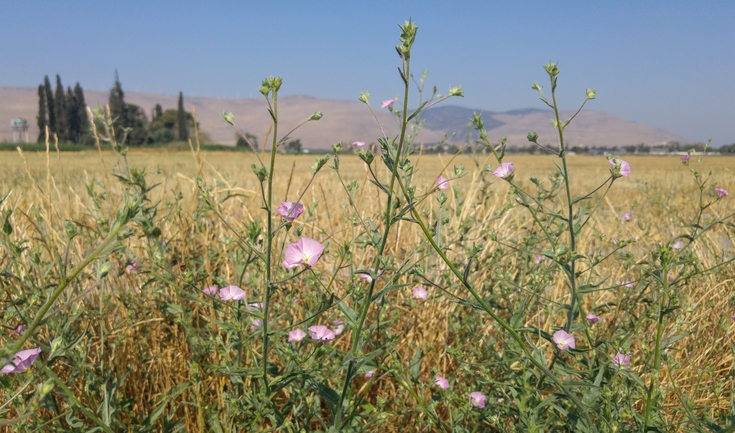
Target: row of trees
{"x":65,"y":115}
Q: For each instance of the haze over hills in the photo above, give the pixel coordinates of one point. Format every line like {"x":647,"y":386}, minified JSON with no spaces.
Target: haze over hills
{"x":348,"y":121}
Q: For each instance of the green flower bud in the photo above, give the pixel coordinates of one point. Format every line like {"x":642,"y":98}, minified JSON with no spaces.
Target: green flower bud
{"x":551,"y":69}
{"x":591,"y":93}
{"x":459,"y":170}
{"x":103,"y":269}
{"x":337,"y":147}
{"x":536,"y":86}
{"x":229,"y":117}
{"x":316,"y":116}
{"x":456,"y":91}
{"x":364,"y":97}
{"x":441,"y":198}
{"x":532,"y":136}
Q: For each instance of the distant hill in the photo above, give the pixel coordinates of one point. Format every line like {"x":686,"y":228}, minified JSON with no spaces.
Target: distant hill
{"x":348,"y":121}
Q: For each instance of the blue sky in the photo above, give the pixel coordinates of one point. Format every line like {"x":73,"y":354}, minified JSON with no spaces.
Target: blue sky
{"x":669,"y":64}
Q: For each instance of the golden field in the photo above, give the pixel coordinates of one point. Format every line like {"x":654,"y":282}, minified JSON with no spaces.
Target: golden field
{"x":660,"y":194}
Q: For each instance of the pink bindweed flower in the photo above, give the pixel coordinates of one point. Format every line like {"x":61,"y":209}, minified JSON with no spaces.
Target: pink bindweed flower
{"x":305,"y":251}
{"x":478,"y":399}
{"x":232,"y":293}
{"x":563,"y":340}
{"x":295,"y":301}
{"x":296,"y":335}
{"x":537,"y":259}
{"x":211,"y":290}
{"x":132,"y":267}
{"x":504,"y":171}
{"x":17,"y":330}
{"x":721,"y":192}
{"x":257,"y":323}
{"x":21,"y":361}
{"x":388,"y":103}
{"x":685,"y":159}
{"x":627,"y":216}
{"x":441,"y":382}
{"x":619,"y":167}
{"x":358,"y":144}
{"x":367,"y":277}
{"x":442,"y":182}
{"x":420,"y":293}
{"x":339,"y":326}
{"x":370,"y":374}
{"x":621,"y":361}
{"x":321,"y":333}
{"x":290,"y":210}
{"x":678,"y":245}
{"x":733,"y":318}
{"x":591,"y":318}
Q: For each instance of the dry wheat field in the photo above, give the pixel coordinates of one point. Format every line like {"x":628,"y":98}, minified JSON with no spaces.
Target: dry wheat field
{"x":135,"y":344}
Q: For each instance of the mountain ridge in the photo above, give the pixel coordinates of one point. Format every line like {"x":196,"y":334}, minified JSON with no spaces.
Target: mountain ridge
{"x":348,"y":121}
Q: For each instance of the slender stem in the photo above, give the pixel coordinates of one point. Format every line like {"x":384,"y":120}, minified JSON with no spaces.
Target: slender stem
{"x":657,"y":350}
{"x":570,"y":219}
{"x":269,"y":242}
{"x":388,"y":222}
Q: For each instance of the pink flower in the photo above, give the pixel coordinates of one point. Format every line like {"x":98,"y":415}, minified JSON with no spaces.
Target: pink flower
{"x":538,"y":259}
{"x":441,"y":382}
{"x":619,"y":167}
{"x":21,"y":361}
{"x":339,"y":326}
{"x":420,"y":293}
{"x":678,"y":245}
{"x":733,"y":318}
{"x":478,"y":399}
{"x":358,"y":144}
{"x":17,"y":330}
{"x":321,"y":333}
{"x":388,"y":103}
{"x":591,"y":318}
{"x":132,"y":267}
{"x":290,"y":210}
{"x":211,"y":290}
{"x":563,"y":340}
{"x":721,"y":192}
{"x":627,"y":216}
{"x":231,"y":293}
{"x":367,"y":277}
{"x":504,"y":171}
{"x":685,"y":159}
{"x":621,"y":361}
{"x":296,"y":335}
{"x":304,"y":252}
{"x":257,"y":323}
{"x":370,"y":374}
{"x":442,"y":182}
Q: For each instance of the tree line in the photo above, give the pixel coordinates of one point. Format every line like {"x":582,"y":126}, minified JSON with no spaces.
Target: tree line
{"x":65,"y":115}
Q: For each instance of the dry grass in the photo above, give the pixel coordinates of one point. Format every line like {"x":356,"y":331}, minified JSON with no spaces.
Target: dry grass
{"x":659,"y":193}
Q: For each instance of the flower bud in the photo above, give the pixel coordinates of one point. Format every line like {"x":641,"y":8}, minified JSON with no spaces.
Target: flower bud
{"x":316,"y":116}
{"x":532,"y":136}
{"x":229,"y":117}
{"x":456,"y":91}
{"x":591,"y":93}
{"x":364,"y":97}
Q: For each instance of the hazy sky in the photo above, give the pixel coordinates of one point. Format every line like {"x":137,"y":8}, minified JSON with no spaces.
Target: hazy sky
{"x":669,"y":64}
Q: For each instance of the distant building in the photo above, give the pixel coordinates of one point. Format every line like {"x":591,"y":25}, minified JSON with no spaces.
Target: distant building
{"x":20,"y":130}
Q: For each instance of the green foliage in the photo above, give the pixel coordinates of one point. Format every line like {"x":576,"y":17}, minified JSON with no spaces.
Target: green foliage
{"x":181,"y":119}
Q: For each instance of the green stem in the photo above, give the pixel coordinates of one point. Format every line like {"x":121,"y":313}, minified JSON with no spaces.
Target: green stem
{"x":657,"y":349}
{"x":381,"y":248}
{"x":570,"y":218}
{"x":269,"y":242}
{"x":59,"y":290}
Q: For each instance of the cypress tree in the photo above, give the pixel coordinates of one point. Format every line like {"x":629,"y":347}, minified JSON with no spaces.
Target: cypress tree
{"x":181,"y":119}
{"x":62,"y":128}
{"x":72,"y":116}
{"x":118,"y":108}
{"x":157,"y":112}
{"x":81,"y":109}
{"x":42,"y":118}
{"x":49,"y":104}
